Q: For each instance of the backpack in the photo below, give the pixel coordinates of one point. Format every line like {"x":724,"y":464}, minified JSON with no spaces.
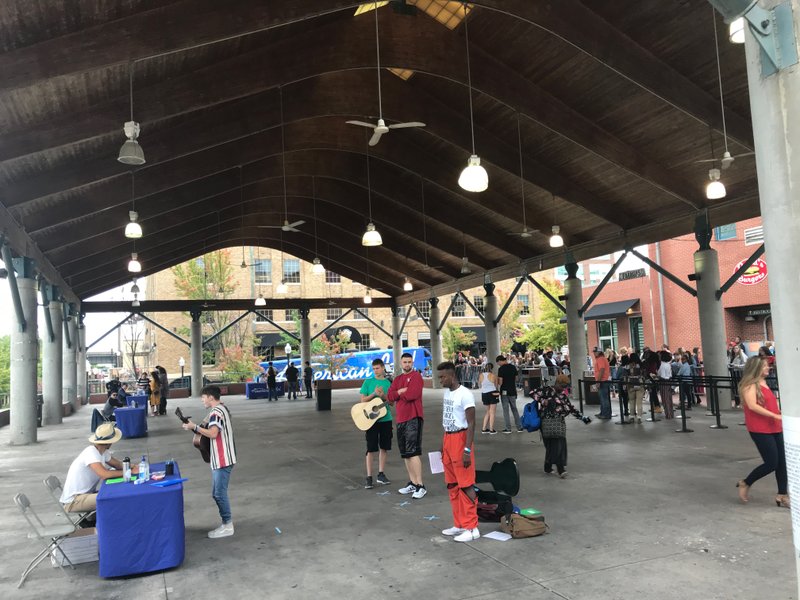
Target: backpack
{"x":522,"y":526}
{"x":530,"y":420}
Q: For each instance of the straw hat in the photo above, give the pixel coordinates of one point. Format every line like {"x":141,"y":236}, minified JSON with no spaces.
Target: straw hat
{"x":105,"y":433}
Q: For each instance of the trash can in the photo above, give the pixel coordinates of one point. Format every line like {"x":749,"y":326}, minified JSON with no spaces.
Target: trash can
{"x":323,"y":394}
{"x":39,"y":405}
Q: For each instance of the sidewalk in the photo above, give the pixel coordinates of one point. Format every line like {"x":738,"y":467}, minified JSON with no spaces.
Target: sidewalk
{"x":644,"y":513}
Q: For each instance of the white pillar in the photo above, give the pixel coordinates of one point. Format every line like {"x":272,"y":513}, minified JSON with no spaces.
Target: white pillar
{"x":52,"y":369}
{"x":70,"y":370}
{"x":305,"y":339}
{"x":24,"y":357}
{"x":80,"y":360}
{"x":197,"y":354}
{"x":397,"y":344}
{"x":490,"y":312}
{"x":712,"y":317}
{"x":775,"y":110}
{"x":436,"y":340}
{"x":576,"y":326}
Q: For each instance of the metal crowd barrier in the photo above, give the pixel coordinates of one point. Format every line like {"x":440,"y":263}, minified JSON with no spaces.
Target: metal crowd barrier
{"x":468,"y":375}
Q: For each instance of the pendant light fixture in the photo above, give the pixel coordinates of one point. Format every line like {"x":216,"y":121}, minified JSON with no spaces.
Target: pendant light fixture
{"x":371,"y":236}
{"x":134,"y":266}
{"x":465,"y":270}
{"x":407,"y":286}
{"x":736,"y":31}
{"x":131,"y":152}
{"x":317,"y":268}
{"x":282,"y":287}
{"x":715,"y":189}
{"x":556,"y":241}
{"x":135,"y":303}
{"x":133,"y":230}
{"x":474,"y":177}
{"x":367,"y":297}
{"x":260,"y":301}
{"x":135,"y":287}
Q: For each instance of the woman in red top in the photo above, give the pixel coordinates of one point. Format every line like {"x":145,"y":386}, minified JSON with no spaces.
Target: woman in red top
{"x":764,"y":422}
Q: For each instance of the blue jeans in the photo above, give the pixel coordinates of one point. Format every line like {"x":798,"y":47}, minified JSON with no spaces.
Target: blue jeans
{"x":292,"y":393}
{"x":604,"y":391}
{"x":272,"y":392}
{"x":219,"y":491}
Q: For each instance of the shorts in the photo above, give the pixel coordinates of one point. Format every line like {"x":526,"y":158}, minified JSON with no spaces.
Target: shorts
{"x":379,"y":436}
{"x":409,"y":437}
{"x":490,"y":398}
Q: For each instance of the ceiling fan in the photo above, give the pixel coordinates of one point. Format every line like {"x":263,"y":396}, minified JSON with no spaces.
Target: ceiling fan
{"x":525,"y":233}
{"x":285,"y":227}
{"x":727,"y":158}
{"x":426,"y":266}
{"x":380,"y":128}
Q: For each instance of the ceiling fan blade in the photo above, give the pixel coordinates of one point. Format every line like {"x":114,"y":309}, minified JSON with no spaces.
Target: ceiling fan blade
{"x":708,"y":160}
{"x":296,"y":224}
{"x":289,"y":228}
{"x":362,"y":124}
{"x":743,"y":154}
{"x":405,"y":125}
{"x":269,"y":226}
{"x":376,"y":137}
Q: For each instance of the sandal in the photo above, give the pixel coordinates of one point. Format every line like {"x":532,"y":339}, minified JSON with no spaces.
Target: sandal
{"x":743,"y":489}
{"x":782,"y":500}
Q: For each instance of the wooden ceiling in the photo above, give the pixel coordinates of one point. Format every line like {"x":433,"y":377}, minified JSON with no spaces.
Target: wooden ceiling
{"x":615,"y":102}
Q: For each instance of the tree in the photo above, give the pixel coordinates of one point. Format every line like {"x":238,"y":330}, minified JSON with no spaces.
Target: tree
{"x":238,"y":364}
{"x":509,"y":327}
{"x":5,"y":365}
{"x":454,"y":339}
{"x":548,"y":331}
{"x":317,"y":347}
{"x":333,"y":353}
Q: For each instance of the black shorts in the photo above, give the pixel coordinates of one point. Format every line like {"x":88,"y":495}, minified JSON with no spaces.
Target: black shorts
{"x":379,"y":436}
{"x":490,"y":398}
{"x":409,"y":437}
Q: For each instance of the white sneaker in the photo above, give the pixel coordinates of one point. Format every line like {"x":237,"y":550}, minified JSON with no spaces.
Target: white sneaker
{"x":419,"y":493}
{"x":409,"y":489}
{"x":224,"y":530}
{"x":452,"y":531}
{"x":468,"y":535}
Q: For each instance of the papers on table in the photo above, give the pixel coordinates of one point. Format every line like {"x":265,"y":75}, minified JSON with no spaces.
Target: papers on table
{"x":435,"y":459}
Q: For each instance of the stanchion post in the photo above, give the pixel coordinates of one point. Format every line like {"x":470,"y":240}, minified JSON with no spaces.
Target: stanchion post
{"x":682,"y":404}
{"x":715,"y":393}
{"x":653,"y":418}
{"x":580,"y":393}
{"x":622,"y":420}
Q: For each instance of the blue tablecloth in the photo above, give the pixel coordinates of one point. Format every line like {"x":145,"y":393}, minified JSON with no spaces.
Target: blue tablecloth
{"x":140,"y":399}
{"x":132,"y":422}
{"x":259,"y":390}
{"x":140,"y":527}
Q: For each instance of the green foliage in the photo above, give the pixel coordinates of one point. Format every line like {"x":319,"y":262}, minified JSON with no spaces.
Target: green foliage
{"x":333,"y":355}
{"x":317,"y":347}
{"x":239,"y":364}
{"x":509,"y":326}
{"x":548,"y":331}
{"x":5,"y":365}
{"x":454,"y":339}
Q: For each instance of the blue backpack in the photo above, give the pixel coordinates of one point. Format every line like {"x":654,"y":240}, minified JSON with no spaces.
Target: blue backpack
{"x":530,"y":417}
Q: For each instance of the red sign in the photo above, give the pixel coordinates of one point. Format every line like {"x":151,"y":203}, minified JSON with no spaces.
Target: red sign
{"x":755,"y":273}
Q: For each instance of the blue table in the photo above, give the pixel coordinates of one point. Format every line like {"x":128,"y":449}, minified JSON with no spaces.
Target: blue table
{"x":140,"y":399}
{"x":255,"y":390}
{"x":132,"y":422}
{"x":140,"y":528}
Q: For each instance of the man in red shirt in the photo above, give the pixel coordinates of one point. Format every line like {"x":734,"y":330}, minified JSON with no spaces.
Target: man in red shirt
{"x":406,"y":394}
{"x":602,"y":375}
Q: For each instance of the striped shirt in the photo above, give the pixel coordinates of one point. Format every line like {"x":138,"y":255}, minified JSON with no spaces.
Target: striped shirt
{"x":223,"y":448}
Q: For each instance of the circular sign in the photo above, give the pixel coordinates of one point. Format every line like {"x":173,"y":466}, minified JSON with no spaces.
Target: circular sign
{"x":755,"y":273}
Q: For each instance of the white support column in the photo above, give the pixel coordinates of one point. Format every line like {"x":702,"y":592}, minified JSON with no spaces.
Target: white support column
{"x":436,"y":340}
{"x":712,"y":317}
{"x":305,"y":339}
{"x":576,"y":326}
{"x":197,"y":353}
{"x":397,"y":344}
{"x":775,"y":110}
{"x":490,"y":312}
{"x":24,"y":357}
{"x":80,"y":361}
{"x":52,"y":368}
{"x":69,"y":393}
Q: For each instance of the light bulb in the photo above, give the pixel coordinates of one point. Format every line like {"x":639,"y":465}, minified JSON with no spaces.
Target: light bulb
{"x":474,"y":177}
{"x":556,"y":241}
{"x":133,"y":229}
{"x":317,"y":268}
{"x":134,"y":266}
{"x":135,"y":303}
{"x":367,"y":298}
{"x":465,"y":270}
{"x":736,"y":31}
{"x":715,"y":188}
{"x":407,"y":287}
{"x":260,"y":301}
{"x":282,"y":287}
{"x":371,"y":236}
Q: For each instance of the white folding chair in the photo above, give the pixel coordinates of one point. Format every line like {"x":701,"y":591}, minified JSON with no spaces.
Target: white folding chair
{"x":53,"y":485}
{"x":52,"y":534}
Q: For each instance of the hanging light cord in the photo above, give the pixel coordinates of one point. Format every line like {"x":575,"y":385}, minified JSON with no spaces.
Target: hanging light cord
{"x":283,"y":159}
{"x":133,"y":192}
{"x":378,"y":52}
{"x":369,"y":187}
{"x":241,"y":208}
{"x":521,"y":176}
{"x":130,"y":86}
{"x":424,"y":220}
{"x":314,"y":200}
{"x":469,"y":79}
{"x":719,"y":79}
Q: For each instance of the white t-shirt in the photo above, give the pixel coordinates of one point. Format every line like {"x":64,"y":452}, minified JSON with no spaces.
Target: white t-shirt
{"x":454,"y":408}
{"x":80,"y":478}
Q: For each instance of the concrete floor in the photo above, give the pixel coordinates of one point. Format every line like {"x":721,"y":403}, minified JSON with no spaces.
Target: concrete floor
{"x":644,"y":513}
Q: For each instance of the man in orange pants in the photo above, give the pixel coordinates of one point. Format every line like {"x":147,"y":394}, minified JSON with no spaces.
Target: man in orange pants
{"x":458,"y":421}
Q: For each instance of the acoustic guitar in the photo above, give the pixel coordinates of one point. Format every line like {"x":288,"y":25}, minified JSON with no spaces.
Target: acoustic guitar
{"x":366,"y":414}
{"x":200,"y":442}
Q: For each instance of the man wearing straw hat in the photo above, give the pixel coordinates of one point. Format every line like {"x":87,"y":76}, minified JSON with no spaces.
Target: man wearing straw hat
{"x":91,"y":466}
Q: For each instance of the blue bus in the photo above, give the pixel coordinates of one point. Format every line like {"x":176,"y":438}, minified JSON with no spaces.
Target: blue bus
{"x":358,"y":364}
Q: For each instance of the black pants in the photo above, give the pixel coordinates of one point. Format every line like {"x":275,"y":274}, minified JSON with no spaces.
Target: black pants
{"x":770,"y":447}
{"x":686,"y":395}
{"x":162,"y":406}
{"x":654,"y":393}
{"x":307,"y":383}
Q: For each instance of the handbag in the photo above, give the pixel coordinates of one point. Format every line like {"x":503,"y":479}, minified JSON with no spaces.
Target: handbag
{"x":554,"y":427}
{"x":523,"y":526}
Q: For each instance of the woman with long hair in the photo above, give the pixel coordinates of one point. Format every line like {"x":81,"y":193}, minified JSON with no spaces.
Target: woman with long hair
{"x":490,"y":397}
{"x":764,"y":422}
{"x":155,"y":392}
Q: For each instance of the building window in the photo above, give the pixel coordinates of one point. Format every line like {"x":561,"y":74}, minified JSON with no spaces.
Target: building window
{"x":607,"y":333}
{"x":291,"y":314}
{"x":264,"y":314}
{"x":365,"y":342}
{"x":263,"y":270}
{"x":524,"y":304}
{"x":331,"y":314}
{"x":459,"y":306}
{"x":637,"y":333}
{"x":725,"y":232}
{"x":331,"y":277}
{"x":361,"y":315}
{"x":753,"y":236}
{"x":424,"y":338}
{"x":478,"y":302}
{"x":291,"y":270}
{"x":401,"y":312}
{"x":424,"y":308}
{"x":404,"y":340}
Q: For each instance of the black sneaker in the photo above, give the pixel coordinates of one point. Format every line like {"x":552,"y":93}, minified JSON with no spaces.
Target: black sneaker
{"x":368,"y":483}
{"x":506,"y":431}
{"x":492,"y":432}
{"x":382,"y":479}
{"x":520,"y":430}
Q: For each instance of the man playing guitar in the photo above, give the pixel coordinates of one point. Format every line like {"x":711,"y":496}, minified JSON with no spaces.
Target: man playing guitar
{"x":379,"y":436}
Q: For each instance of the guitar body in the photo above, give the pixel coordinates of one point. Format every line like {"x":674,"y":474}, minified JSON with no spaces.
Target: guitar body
{"x":200,"y":442}
{"x":366,"y":414}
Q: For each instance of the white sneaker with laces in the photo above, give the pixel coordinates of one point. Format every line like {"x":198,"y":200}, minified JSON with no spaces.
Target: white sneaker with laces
{"x":224,"y":530}
{"x":419,"y":493}
{"x":452,"y":530}
{"x":409,"y":489}
{"x":468,"y":535}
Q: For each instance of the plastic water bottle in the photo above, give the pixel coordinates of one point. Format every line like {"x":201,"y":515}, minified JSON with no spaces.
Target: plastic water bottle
{"x":126,"y":469}
{"x":144,"y":469}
